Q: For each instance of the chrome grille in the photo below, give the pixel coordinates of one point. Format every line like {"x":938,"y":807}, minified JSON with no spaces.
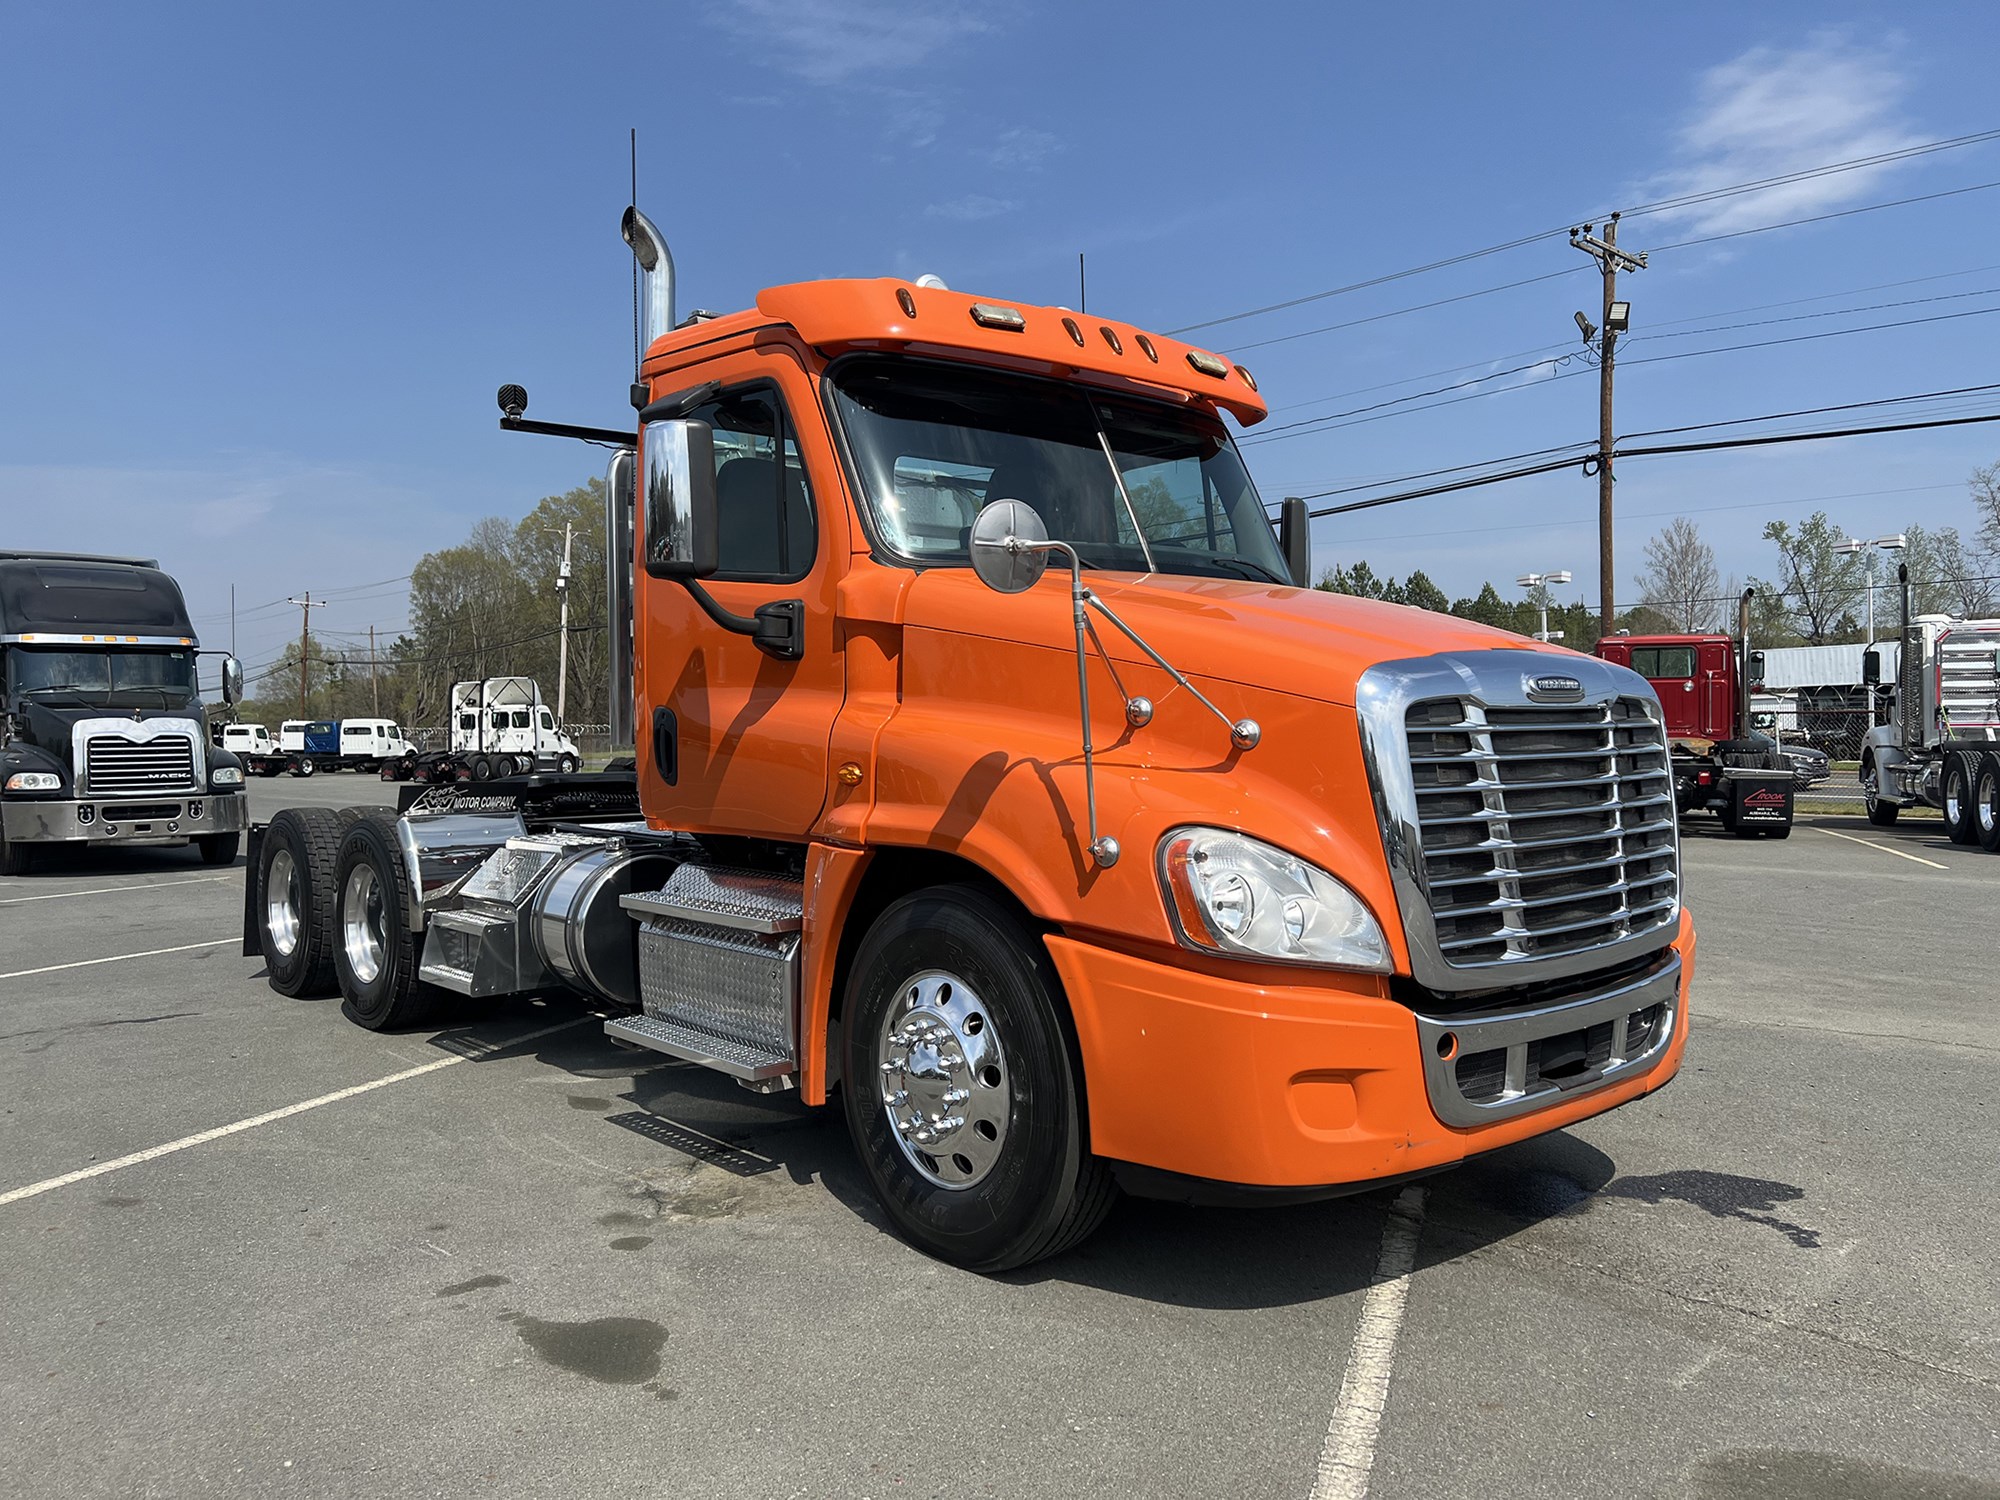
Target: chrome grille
{"x":1545,"y":829}
{"x":114,"y":766}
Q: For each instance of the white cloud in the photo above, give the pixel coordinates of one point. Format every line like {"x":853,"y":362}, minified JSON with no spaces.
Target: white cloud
{"x":1772,"y":111}
{"x":1022,"y":149}
{"x":972,"y":208}
{"x":840,"y":41}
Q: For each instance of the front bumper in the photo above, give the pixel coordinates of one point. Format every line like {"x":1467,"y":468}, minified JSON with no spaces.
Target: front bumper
{"x":1302,"y":1086}
{"x":127,"y":820}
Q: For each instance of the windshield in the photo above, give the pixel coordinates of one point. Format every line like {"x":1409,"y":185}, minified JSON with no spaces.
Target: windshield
{"x":138,"y":677}
{"x":933,"y":443}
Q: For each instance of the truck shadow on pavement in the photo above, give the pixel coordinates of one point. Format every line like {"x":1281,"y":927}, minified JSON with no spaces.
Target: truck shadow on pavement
{"x":1213,"y":1258}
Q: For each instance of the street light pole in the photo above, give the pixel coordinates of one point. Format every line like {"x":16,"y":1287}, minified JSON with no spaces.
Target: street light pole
{"x":1868,"y":549}
{"x":1540,"y":583}
{"x":562,"y":637}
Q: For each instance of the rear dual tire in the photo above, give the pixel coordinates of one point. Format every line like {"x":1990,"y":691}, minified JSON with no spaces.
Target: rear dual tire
{"x":1986,"y":803}
{"x":1958,"y":778}
{"x":374,"y":950}
{"x":294,"y":899}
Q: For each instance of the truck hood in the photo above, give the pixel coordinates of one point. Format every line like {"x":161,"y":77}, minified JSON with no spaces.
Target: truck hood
{"x":1260,"y":635}
{"x":51,"y":728}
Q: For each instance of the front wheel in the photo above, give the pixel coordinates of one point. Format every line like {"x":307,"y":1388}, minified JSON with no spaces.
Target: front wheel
{"x":15,"y":859}
{"x":566,"y":764}
{"x":1955,"y":793}
{"x":305,"y":767}
{"x":1881,"y":811}
{"x":961,"y":1092}
{"x":1986,"y":803}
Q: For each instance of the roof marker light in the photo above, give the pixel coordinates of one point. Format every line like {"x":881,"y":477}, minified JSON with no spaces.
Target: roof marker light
{"x":1111,"y":338}
{"x":1146,"y":348}
{"x":906,"y":301}
{"x":1248,"y":379}
{"x":1208,"y":364}
{"x":1075,"y":333}
{"x":990,"y":315}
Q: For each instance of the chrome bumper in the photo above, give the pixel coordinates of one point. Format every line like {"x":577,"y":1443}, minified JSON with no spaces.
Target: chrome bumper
{"x":1482,"y":1068}
{"x":122,"y":821}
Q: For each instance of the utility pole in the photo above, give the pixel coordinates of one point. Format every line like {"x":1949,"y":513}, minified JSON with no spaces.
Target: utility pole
{"x":307,"y":605}
{"x":1616,"y":317}
{"x":373,"y":686}
{"x":562,"y":634}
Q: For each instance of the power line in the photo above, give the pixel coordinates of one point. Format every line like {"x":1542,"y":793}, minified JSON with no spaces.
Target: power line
{"x":1649,"y":452}
{"x":1333,"y":421}
{"x":1659,"y":206}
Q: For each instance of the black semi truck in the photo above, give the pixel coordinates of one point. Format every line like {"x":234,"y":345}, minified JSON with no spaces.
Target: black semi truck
{"x":103,"y":737}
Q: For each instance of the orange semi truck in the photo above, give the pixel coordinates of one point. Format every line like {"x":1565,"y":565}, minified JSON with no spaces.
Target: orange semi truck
{"x":996,"y":773}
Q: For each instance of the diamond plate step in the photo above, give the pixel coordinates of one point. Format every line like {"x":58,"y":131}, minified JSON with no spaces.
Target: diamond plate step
{"x":677,"y":1040}
{"x":748,"y":900}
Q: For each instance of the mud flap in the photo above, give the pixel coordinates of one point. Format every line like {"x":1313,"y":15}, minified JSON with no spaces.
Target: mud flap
{"x":1761,"y":799}
{"x":252,"y":943}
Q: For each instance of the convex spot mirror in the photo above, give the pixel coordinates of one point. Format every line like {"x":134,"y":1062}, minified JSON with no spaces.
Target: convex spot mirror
{"x":1009,"y":546}
{"x":232,"y":680}
{"x":679,"y":460}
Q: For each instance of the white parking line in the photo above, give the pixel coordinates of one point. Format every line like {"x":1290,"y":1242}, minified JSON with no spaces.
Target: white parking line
{"x":1348,"y":1459}
{"x":49,"y":1184}
{"x":1871,"y":844}
{"x":101,"y":890}
{"x":84,"y":963}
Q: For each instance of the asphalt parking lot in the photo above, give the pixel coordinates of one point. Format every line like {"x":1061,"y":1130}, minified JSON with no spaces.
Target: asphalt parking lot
{"x":519,"y":1261}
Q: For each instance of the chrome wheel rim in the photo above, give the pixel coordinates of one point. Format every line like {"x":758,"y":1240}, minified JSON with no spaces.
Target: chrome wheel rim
{"x":942,"y":1076}
{"x":281,"y":903}
{"x":361,"y":931}
{"x":1988,"y":805}
{"x":1954,"y":799}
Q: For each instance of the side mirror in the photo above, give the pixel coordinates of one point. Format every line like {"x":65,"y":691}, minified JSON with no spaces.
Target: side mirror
{"x":1756,"y":669}
{"x":232,"y":680}
{"x":679,"y":459}
{"x":1295,"y":540}
{"x":1009,"y":546}
{"x":1871,"y":669}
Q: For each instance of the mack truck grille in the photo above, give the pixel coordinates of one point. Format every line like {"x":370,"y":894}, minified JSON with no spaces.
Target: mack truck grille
{"x":1545,"y":829}
{"x":113,"y":766}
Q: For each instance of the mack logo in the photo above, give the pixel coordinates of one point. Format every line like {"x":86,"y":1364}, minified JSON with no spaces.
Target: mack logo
{"x":1555,"y":685}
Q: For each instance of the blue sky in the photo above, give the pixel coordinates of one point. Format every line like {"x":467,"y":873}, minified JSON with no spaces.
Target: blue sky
{"x":264,"y":266}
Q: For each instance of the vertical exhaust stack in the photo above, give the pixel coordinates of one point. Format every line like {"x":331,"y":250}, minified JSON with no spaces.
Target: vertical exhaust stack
{"x":1743,"y":672}
{"x":656,"y":261}
{"x":619,"y":491}
{"x":650,"y":250}
{"x":1909,"y":667}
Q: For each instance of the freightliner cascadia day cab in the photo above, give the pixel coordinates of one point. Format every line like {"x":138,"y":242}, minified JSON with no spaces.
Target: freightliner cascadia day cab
{"x":105,"y":738}
{"x":995,"y":774}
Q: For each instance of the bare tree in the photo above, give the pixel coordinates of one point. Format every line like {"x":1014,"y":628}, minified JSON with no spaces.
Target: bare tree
{"x":1947,"y":577}
{"x":1681,"y":582}
{"x":1985,"y":487}
{"x":1821,"y":587}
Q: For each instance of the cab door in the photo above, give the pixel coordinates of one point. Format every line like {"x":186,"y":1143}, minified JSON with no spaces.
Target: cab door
{"x":1718,"y":690}
{"x":733,"y":738}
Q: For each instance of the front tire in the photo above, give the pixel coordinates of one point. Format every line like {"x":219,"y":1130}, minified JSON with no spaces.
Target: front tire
{"x":566,"y":764}
{"x":374,"y":951}
{"x":962,"y":1089}
{"x":305,"y":766}
{"x":15,"y":859}
{"x":1881,"y":812}
{"x":1955,"y":794}
{"x":295,"y":899}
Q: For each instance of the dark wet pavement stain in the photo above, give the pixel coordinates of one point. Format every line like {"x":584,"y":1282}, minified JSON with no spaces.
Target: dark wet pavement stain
{"x":624,"y":1220}
{"x":477,"y":1284}
{"x":117,"y":1202}
{"x":1781,"y":1474}
{"x":632,"y":1242}
{"x":612,"y":1351}
{"x":588,"y":1101}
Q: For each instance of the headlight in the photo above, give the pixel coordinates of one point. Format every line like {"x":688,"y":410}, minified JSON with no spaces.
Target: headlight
{"x":226,"y":776}
{"x":34,"y":781}
{"x":1237,"y":895}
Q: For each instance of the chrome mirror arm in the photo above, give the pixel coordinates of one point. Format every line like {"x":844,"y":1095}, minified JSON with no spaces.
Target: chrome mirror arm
{"x":1243,"y":733}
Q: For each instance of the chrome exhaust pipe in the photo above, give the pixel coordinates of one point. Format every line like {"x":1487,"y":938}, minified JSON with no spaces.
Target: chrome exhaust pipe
{"x":649,"y":248}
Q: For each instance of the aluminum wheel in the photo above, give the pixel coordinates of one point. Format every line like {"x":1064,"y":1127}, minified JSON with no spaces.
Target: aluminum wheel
{"x":943,"y":1076}
{"x":361,"y":930}
{"x":281,"y":903}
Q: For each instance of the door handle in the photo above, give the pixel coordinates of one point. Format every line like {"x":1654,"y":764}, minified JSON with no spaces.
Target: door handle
{"x":667,"y":745}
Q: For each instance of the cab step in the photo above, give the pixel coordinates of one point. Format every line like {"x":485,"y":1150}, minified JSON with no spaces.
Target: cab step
{"x":719,"y":972}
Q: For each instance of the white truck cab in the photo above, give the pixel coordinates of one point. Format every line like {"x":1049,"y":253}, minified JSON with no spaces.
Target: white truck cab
{"x":251,"y":739}
{"x":503,"y":724}
{"x":366,"y":743}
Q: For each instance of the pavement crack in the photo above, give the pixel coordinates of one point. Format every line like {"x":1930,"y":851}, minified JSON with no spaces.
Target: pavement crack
{"x":1879,"y":1036}
{"x":1445,"y":1229}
